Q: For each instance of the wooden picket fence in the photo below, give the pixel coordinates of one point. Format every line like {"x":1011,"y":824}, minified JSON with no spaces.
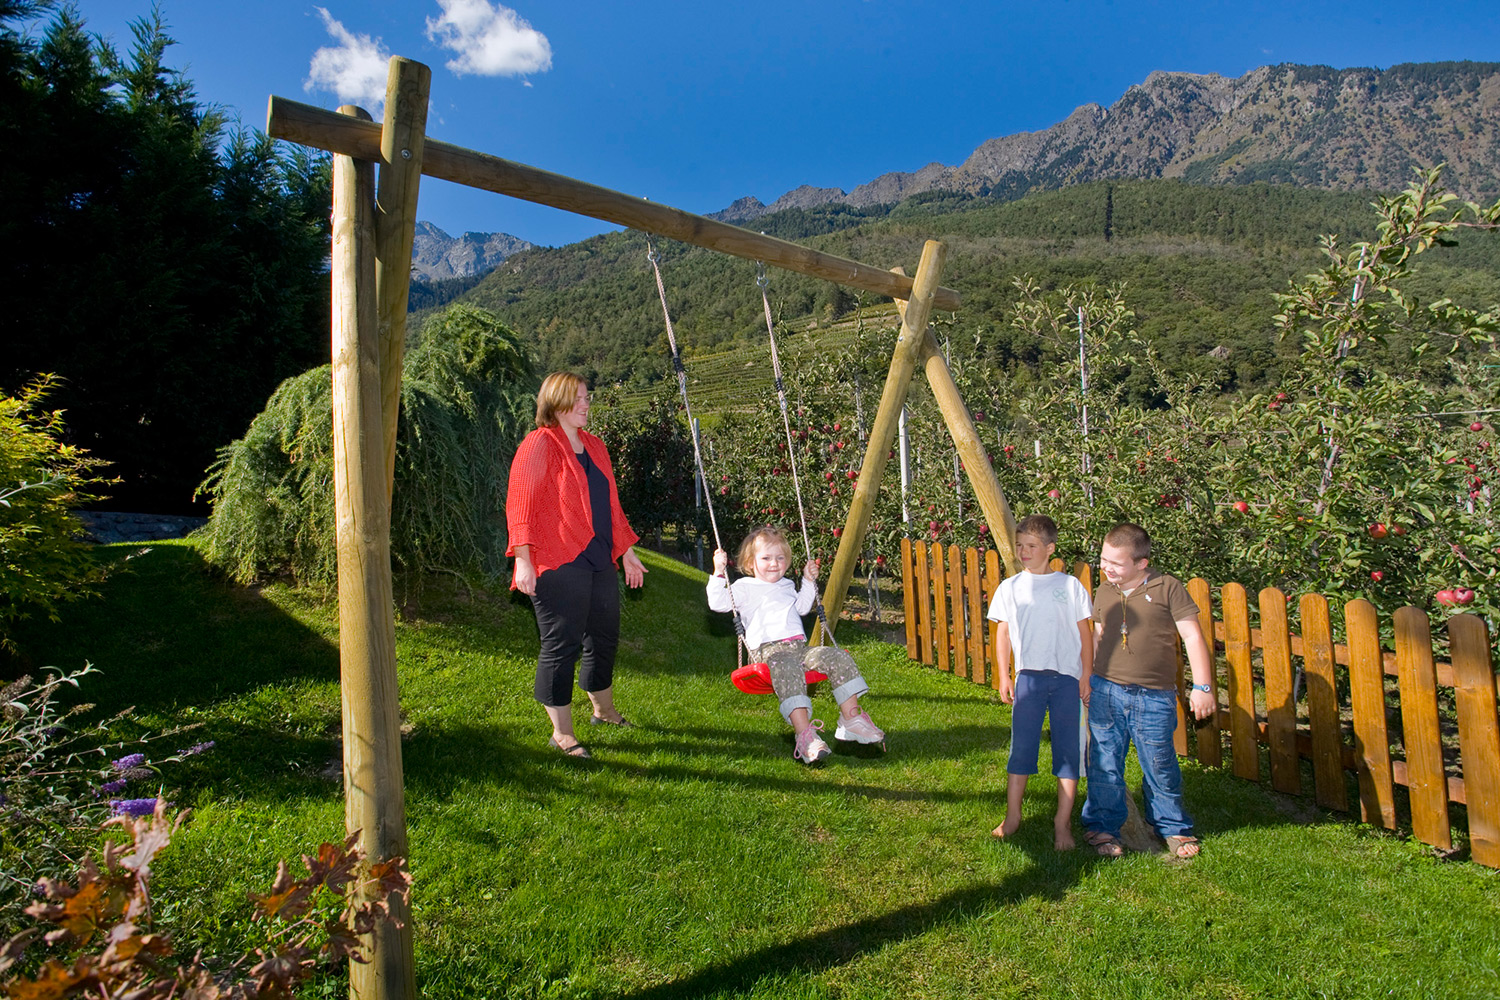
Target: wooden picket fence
{"x":1417,"y":734}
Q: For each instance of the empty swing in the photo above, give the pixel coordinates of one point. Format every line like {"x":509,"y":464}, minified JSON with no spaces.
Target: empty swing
{"x":751,"y":678}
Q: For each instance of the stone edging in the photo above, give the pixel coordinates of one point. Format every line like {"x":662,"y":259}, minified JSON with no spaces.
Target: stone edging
{"x":105,"y":526}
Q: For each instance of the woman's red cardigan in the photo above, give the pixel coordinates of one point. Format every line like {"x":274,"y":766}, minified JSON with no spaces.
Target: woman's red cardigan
{"x":547,"y":501}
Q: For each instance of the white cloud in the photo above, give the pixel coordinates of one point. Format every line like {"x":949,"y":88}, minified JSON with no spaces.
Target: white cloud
{"x":354,"y":68}
{"x":489,"y":39}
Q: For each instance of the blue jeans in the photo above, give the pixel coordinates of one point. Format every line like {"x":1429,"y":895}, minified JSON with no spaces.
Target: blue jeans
{"x":1121,"y":714}
{"x":1045,"y":693}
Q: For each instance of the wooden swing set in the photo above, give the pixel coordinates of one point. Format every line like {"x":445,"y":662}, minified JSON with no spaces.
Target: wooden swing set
{"x":373,"y":229}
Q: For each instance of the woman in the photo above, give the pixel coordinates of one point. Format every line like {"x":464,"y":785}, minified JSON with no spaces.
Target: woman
{"x":566,"y":531}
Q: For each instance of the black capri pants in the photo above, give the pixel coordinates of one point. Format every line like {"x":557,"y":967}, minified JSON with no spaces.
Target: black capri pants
{"x":577,"y":610}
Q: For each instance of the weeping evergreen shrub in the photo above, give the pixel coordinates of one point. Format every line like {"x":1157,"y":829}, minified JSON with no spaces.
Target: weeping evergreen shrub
{"x":468,"y":396}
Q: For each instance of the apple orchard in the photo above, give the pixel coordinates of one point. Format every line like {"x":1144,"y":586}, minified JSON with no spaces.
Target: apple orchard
{"x":1367,"y":472}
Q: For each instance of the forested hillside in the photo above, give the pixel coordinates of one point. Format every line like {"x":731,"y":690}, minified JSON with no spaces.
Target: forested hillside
{"x":169,"y":269}
{"x":1200,"y":265}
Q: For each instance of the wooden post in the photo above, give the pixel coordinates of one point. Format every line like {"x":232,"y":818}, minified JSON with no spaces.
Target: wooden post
{"x":883,"y":431}
{"x":402,"y":141}
{"x":373,"y":797}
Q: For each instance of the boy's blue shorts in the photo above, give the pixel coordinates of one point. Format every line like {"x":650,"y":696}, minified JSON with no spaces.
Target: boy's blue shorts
{"x":1045,"y":693}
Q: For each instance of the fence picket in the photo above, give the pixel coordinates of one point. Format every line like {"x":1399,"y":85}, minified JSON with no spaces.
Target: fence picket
{"x":940,"y":633}
{"x":924,"y":600}
{"x":976,"y":616}
{"x":1478,"y":733}
{"x":908,"y":598}
{"x":992,"y":578}
{"x":951,"y":591}
{"x":1421,"y":739}
{"x":1329,"y":788}
{"x":1372,"y":744}
{"x":1209,"y":740}
{"x":1242,"y":742}
{"x":957,"y":626}
{"x":1281,"y":711}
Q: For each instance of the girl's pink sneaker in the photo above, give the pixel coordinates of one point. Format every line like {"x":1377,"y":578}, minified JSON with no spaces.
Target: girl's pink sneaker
{"x":810,"y":748}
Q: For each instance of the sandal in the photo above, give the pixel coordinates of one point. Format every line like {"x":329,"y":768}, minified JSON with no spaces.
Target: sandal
{"x":576,"y":750}
{"x":1106,"y":845}
{"x":1183,"y":847}
{"x":601,"y":721}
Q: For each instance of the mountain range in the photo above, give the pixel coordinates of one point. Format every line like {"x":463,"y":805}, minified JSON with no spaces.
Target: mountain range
{"x":436,"y":256}
{"x":1310,"y":126}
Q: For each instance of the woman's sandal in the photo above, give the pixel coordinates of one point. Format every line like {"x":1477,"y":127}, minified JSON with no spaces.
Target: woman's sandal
{"x":576,"y":750}
{"x":1106,"y":845}
{"x":600,"y":721}
{"x":1183,"y":847}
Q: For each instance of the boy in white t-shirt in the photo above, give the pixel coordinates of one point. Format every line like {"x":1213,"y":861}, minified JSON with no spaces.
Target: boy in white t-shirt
{"x":1046,"y":619}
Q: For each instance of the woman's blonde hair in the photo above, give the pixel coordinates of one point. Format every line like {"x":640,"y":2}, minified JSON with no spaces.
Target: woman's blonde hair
{"x":558,"y":394}
{"x":745,"y":560}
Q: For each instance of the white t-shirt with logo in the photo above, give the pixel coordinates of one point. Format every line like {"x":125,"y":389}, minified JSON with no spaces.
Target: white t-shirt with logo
{"x":1043,"y":611}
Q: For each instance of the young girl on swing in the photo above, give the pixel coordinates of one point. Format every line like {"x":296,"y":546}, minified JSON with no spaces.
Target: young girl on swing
{"x":771,"y":607}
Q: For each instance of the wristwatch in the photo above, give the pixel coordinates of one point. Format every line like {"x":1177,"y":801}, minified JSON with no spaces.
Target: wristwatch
{"x":1205,"y":688}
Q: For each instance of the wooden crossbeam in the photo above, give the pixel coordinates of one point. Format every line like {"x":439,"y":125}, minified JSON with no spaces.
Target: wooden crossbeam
{"x":335,"y":133}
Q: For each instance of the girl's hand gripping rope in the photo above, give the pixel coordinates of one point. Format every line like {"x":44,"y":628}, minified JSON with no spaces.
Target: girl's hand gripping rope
{"x":810,"y":571}
{"x":721,"y":563}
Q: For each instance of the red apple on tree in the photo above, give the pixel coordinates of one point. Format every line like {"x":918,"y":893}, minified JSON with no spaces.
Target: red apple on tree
{"x":1377,"y":575}
{"x":1054,"y":494}
{"x":1447,"y":598}
{"x":1476,"y":426}
{"x":1377,"y":530}
{"x":1464,"y":595}
{"x":1242,"y":506}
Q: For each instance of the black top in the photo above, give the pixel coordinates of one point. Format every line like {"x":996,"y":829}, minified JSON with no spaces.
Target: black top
{"x":599,"y":552}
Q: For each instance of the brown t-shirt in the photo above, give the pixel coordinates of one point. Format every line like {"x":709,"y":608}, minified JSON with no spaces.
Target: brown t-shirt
{"x":1138,"y":638}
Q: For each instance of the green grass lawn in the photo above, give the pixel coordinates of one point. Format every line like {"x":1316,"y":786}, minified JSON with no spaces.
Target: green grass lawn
{"x":692,"y":857}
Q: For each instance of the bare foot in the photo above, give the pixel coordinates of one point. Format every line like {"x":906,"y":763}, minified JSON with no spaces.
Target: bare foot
{"x":1062,"y":836}
{"x":1006,"y":829}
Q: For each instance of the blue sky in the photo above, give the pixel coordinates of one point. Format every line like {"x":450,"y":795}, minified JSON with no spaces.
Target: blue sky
{"x":697,"y":104}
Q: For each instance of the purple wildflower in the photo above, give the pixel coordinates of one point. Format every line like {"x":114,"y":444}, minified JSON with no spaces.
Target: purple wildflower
{"x":133,"y":807}
{"x":196,"y":749}
{"x":128,"y":761}
{"x":113,"y":787}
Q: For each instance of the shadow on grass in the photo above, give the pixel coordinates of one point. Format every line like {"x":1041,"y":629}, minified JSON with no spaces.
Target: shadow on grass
{"x":168,"y":632}
{"x":1048,"y":878}
{"x":176,"y":641}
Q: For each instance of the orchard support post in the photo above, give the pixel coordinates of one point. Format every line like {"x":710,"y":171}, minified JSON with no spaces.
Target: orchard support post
{"x":374,"y":802}
{"x":402,"y":143}
{"x":883,"y":431}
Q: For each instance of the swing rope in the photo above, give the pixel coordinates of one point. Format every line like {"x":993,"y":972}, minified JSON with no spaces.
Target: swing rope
{"x":791,"y":450}
{"x":681,"y":370}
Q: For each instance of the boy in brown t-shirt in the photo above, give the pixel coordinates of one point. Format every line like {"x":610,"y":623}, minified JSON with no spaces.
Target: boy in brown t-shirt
{"x":1138,"y":617}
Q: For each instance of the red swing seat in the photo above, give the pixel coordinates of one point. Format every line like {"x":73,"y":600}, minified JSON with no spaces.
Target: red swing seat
{"x":755,"y":678}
